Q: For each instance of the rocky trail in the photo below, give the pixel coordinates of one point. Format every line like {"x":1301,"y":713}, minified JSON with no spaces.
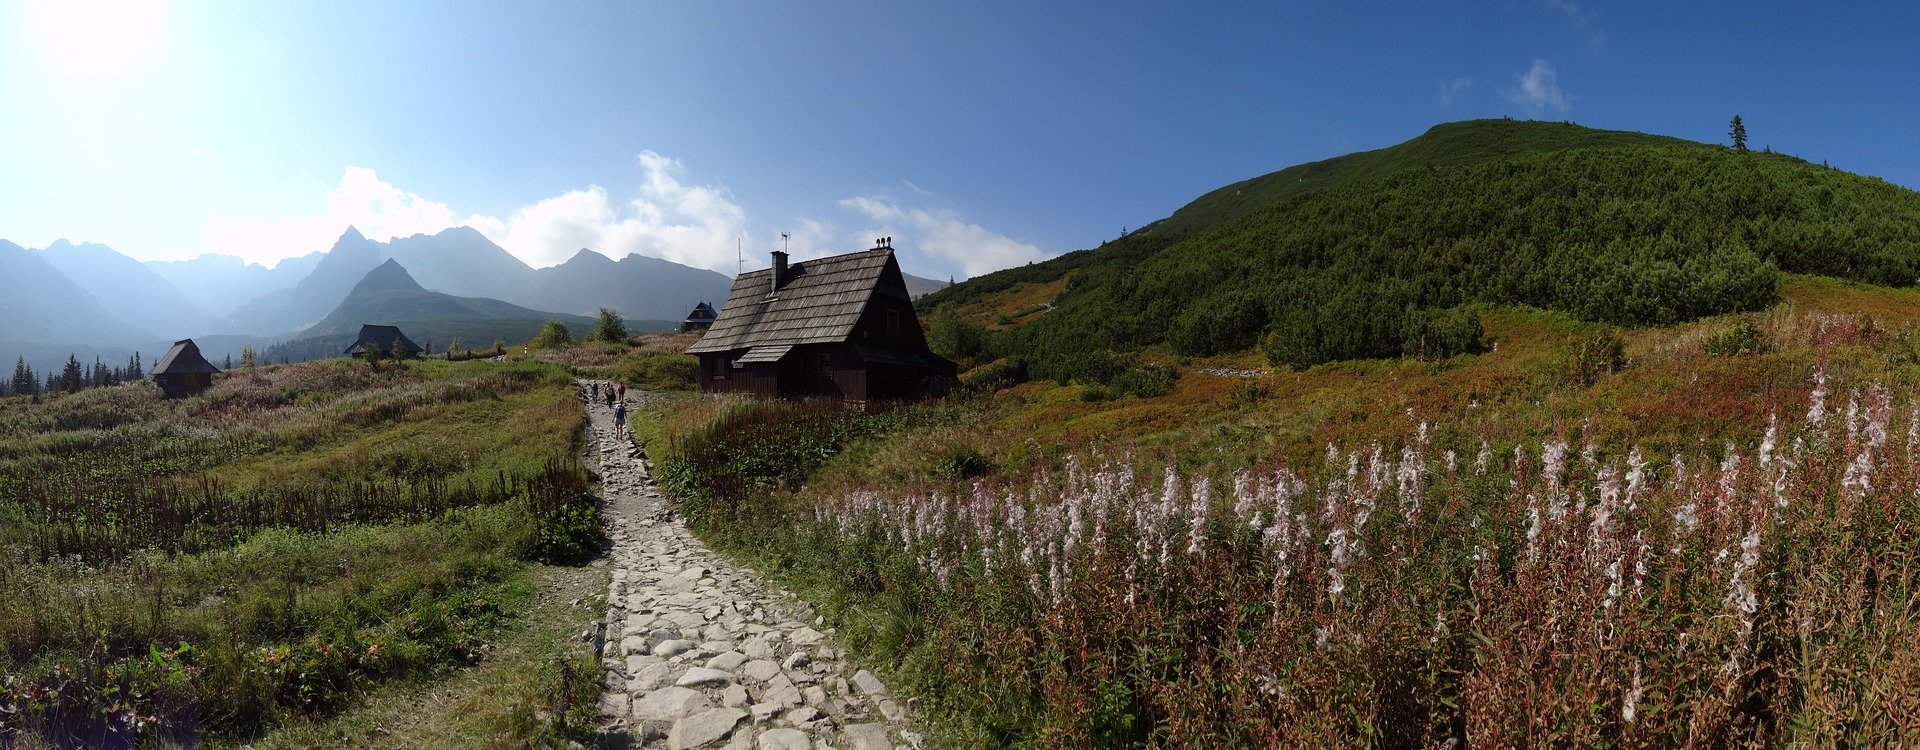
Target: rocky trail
{"x":701,"y":654}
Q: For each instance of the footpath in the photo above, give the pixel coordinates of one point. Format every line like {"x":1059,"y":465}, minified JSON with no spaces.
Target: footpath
{"x":700,"y":654}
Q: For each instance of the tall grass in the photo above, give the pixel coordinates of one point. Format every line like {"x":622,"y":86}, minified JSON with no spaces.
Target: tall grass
{"x":207,"y":567}
{"x":1407,"y":595}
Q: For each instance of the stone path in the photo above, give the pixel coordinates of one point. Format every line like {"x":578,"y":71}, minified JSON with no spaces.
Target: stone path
{"x":700,"y":654}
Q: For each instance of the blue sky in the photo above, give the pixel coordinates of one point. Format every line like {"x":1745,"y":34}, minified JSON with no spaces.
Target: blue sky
{"x":979,"y":135}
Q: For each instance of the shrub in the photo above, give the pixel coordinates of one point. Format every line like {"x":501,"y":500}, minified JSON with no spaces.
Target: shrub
{"x":553,"y":333}
{"x":1146,"y":381}
{"x":1740,"y":338}
{"x":1587,"y":357}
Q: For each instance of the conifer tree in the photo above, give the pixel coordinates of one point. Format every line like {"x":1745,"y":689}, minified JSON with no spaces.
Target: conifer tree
{"x":1738,"y":132}
{"x":24,"y":381}
{"x":72,"y":377}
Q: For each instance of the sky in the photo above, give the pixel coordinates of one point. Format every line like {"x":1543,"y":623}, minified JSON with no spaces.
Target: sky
{"x":978,"y":135}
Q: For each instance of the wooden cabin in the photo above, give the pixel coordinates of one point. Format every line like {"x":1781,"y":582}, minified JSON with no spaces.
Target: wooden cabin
{"x":183,"y":371}
{"x":383,"y":337}
{"x":841,"y":326}
{"x":700,"y":319}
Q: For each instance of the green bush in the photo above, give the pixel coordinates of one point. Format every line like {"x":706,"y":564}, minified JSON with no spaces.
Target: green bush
{"x":1740,"y":338}
{"x":1146,"y":381}
{"x":552,"y":334}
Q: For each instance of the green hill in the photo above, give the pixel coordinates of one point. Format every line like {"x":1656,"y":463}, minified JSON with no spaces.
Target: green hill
{"x":1373,"y":254}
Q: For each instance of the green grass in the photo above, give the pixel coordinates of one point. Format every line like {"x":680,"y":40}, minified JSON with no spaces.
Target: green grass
{"x":1433,"y":647}
{"x":277,"y":547}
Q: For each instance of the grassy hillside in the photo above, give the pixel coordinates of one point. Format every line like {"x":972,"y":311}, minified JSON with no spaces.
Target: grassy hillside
{"x":1369,"y":255}
{"x":1665,"y":536}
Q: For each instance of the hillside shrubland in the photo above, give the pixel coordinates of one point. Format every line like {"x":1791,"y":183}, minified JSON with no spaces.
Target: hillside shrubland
{"x":1388,"y":259}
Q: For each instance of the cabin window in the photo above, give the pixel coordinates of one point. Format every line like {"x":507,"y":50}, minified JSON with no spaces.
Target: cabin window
{"x":720,"y":371}
{"x":826,"y":365}
{"x":893,"y":322}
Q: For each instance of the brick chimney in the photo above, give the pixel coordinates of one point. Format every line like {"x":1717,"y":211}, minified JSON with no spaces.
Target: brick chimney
{"x":779,"y":271}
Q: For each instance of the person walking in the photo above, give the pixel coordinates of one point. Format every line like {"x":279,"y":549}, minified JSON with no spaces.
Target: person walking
{"x":623,"y":390}
{"x":620,"y":420}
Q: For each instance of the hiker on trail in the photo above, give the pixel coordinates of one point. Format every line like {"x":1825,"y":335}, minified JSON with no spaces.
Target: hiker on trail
{"x":609,"y":396}
{"x":596,"y":390}
{"x":620,"y":420}
{"x":623,"y":390}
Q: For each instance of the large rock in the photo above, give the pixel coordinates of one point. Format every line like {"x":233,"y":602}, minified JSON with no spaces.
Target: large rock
{"x":704,"y":728}
{"x":668,"y":704}
{"x":868,"y":684}
{"x":699,"y":676}
{"x":806,"y":637}
{"x":785,"y":738}
{"x":865,"y":737}
{"x":673,"y":648}
{"x":781,"y":690}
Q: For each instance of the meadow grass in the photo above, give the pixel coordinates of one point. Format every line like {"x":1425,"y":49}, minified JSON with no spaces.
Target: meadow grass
{"x":210,"y":567}
{"x":1681,"y":549}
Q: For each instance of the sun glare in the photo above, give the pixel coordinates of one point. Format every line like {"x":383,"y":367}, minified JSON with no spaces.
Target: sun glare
{"x":97,"y":39}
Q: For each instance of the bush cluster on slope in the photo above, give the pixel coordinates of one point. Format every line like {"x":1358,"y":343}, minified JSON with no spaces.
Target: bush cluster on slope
{"x":1629,"y":232}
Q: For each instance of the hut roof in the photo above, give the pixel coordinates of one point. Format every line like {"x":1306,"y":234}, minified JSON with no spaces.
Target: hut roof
{"x":383,"y":337}
{"x":820,"y":302}
{"x":702,"y":312}
{"x":183,"y":358}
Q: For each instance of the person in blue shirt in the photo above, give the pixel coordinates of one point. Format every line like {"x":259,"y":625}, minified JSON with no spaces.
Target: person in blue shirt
{"x":620,"y":419}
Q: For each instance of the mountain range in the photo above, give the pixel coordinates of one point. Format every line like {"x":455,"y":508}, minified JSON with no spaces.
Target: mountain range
{"x":88,"y":299}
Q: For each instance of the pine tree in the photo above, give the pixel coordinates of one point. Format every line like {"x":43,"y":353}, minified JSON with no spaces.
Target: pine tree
{"x":1738,"y":132}
{"x":24,"y":382}
{"x":134,"y":372}
{"x":72,"y":377}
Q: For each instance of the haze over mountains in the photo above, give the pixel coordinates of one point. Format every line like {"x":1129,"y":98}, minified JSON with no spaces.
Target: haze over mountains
{"x":90,"y":300}
{"x":87,"y":299}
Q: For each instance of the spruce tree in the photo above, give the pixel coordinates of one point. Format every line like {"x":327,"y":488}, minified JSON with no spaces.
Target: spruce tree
{"x":72,"y":377}
{"x":1738,"y":132}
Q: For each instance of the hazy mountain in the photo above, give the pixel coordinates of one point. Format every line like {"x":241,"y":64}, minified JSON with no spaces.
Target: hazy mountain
{"x":39,"y":304}
{"x":461,"y":260}
{"x":220,"y":283}
{"x":350,"y":258}
{"x":389,"y":295}
{"x":129,"y":289}
{"x":638,"y":287}
{"x":919,"y":287}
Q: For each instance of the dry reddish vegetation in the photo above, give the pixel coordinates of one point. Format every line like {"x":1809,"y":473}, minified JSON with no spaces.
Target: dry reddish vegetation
{"x":1692,"y":550}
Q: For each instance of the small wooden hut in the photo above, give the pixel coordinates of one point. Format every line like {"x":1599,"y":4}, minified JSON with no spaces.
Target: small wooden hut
{"x":384,"y":338}
{"x":841,"y":326}
{"x":700,"y":319}
{"x":183,"y":371}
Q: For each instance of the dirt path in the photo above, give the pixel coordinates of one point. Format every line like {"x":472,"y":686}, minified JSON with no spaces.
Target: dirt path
{"x":700,"y":654}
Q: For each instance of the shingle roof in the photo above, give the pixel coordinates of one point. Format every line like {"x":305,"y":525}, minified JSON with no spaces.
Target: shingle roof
{"x":183,"y":358}
{"x":819,"y":304}
{"x":382,"y":336}
{"x":701,"y":313}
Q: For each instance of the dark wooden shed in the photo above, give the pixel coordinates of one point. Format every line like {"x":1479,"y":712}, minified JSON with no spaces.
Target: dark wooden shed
{"x":841,"y":326}
{"x":699,"y":319}
{"x":183,"y":371}
{"x":383,"y":337}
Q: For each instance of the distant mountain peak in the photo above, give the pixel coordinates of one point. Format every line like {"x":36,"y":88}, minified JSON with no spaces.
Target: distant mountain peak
{"x":352,"y":233}
{"x":589,"y":256}
{"x":386,"y":277}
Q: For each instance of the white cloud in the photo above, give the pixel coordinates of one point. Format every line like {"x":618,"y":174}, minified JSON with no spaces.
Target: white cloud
{"x":1584,"y":21}
{"x":697,"y":225}
{"x":691,"y":224}
{"x":943,"y":234}
{"x":1452,"y":90}
{"x":361,"y":200}
{"x":1538,"y":90}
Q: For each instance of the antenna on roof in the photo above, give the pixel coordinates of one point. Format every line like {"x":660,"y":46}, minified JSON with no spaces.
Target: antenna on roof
{"x":739,"y":255}
{"x":784,"y":236}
